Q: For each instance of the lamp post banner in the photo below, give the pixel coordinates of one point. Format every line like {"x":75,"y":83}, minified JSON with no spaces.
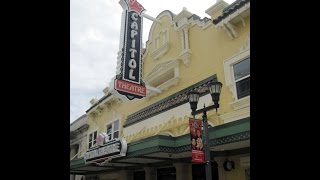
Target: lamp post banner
{"x":196,"y":140}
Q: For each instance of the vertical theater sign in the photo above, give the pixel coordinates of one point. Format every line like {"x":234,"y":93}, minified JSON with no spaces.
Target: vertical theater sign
{"x":128,"y":81}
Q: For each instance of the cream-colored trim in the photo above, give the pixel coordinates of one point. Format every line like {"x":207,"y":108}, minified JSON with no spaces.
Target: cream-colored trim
{"x":159,"y":70}
{"x":185,"y":54}
{"x":114,"y":119}
{"x":150,"y":37}
{"x":241,"y":103}
{"x":218,"y":6}
{"x":182,"y":19}
{"x":185,"y":57}
{"x":231,"y":30}
{"x":173,"y":122}
{"x":228,"y":70}
{"x":162,"y":45}
{"x":201,"y":23}
{"x":104,"y":105}
{"x":235,"y":115}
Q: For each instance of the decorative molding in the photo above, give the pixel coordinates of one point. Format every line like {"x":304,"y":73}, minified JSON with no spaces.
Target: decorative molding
{"x":161,"y":51}
{"x":217,"y":7}
{"x":173,"y":128}
{"x":150,"y":37}
{"x":246,"y":45}
{"x":181,"y":19}
{"x":159,"y":69}
{"x":166,"y":149}
{"x":230,"y":139}
{"x":234,"y":10}
{"x":170,"y":102}
{"x":156,"y":74}
{"x":231,"y":30}
{"x":235,"y":115}
{"x":185,"y":57}
{"x":228,"y":70}
{"x":241,"y":103}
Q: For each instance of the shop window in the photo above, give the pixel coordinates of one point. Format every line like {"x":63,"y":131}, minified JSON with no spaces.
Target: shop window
{"x":113,"y":130}
{"x":92,"y":139}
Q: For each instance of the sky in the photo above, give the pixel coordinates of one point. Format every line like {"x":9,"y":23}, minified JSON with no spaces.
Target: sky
{"x":94,"y":43}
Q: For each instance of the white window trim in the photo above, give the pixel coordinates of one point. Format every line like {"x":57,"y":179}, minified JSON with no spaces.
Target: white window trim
{"x":112,"y":122}
{"x":230,"y":80}
{"x":88,"y":136}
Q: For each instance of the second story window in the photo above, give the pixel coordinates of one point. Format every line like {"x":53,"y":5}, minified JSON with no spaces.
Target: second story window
{"x":242,"y":78}
{"x":92,"y":139}
{"x":113,"y":130}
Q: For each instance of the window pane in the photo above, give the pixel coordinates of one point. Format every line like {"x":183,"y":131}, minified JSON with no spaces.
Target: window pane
{"x":243,"y":88}
{"x":90,"y":137}
{"x":116,"y":134}
{"x":116,"y":125}
{"x":89,"y":144}
{"x":95,"y":135}
{"x":241,"y":69}
{"x":109,"y":129}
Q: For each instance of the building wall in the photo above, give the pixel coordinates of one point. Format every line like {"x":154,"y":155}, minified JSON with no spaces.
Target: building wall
{"x":210,"y":47}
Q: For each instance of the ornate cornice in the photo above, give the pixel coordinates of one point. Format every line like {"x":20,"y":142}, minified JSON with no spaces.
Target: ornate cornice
{"x":170,"y":102}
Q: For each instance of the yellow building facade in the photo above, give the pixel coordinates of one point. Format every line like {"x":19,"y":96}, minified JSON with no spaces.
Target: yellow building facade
{"x":183,"y":53}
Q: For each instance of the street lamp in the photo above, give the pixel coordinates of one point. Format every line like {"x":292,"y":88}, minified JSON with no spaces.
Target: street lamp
{"x":215,"y":89}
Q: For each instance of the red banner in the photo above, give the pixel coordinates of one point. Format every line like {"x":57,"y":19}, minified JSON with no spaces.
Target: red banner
{"x":196,"y":140}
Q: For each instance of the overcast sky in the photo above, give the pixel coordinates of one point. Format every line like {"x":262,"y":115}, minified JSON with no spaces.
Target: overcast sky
{"x":94,"y":43}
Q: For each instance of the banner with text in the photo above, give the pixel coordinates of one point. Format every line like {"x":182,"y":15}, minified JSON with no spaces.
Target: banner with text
{"x":196,"y":140}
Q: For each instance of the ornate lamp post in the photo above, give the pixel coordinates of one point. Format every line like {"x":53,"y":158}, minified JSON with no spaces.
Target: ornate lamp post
{"x":215,"y":89}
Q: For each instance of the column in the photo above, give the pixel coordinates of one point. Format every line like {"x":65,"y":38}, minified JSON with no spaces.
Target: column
{"x":151,"y":173}
{"x":183,"y":171}
{"x":220,"y":161}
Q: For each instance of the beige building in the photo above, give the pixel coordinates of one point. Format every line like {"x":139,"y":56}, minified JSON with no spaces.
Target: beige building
{"x":78,"y":139}
{"x":183,"y":53}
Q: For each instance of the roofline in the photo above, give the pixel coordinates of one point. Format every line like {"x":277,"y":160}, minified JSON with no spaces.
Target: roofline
{"x":78,"y":119}
{"x":230,"y":9}
{"x":97,"y":103}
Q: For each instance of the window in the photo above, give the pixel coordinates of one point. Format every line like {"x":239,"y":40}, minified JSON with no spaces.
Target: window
{"x":92,"y":139}
{"x":242,"y":77}
{"x":237,"y":79}
{"x":113,"y":130}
